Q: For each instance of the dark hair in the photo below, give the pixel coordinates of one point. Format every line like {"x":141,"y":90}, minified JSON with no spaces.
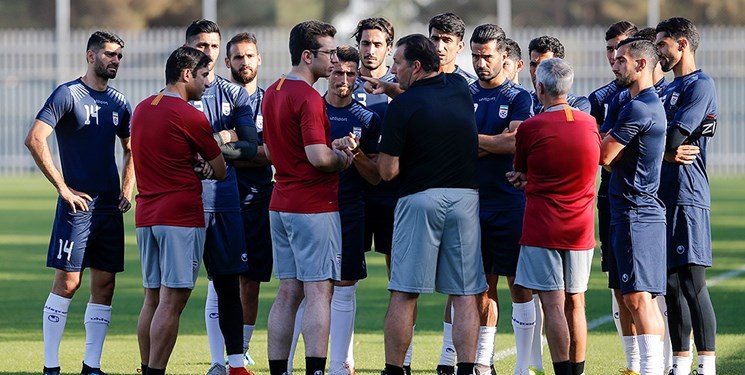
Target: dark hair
{"x":641,"y":47}
{"x":486,"y":33}
{"x":544,"y":44}
{"x":240,"y":38}
{"x":620,"y":28}
{"x":201,"y":26}
{"x":647,"y":33}
{"x":99,"y":38}
{"x":679,"y":27}
{"x":304,"y":36}
{"x":448,"y":23}
{"x":374,"y":23}
{"x":184,"y":58}
{"x":513,"y":49}
{"x":420,"y":48}
{"x":347,"y":53}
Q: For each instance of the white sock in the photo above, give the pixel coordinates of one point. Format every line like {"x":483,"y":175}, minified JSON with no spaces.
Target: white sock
{"x":536,"y":350}
{"x":248,"y":331}
{"x":631,"y":350}
{"x":650,"y":353}
{"x":485,"y":348}
{"x":707,"y":365}
{"x":343,"y":309}
{"x":682,"y":365}
{"x":447,"y":355}
{"x":53,"y":325}
{"x":96,"y":322}
{"x":296,"y":334}
{"x":667,"y":345}
{"x":235,"y":360}
{"x":410,"y":350}
{"x":616,"y":313}
{"x":212,"y":322}
{"x":523,"y":323}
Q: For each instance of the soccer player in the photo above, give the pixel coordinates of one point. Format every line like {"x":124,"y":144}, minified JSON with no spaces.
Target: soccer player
{"x":633,"y":148}
{"x":556,"y":152}
{"x":304,"y":217}
{"x":690,"y":105}
{"x":514,"y":63}
{"x":546,"y":47}
{"x":227,"y":107}
{"x":436,"y":236}
{"x":86,"y":115}
{"x":348,"y":116}
{"x":169,"y":217}
{"x":446,"y":30}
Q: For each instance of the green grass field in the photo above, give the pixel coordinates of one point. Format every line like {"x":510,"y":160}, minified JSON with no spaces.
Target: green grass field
{"x":26,"y":213}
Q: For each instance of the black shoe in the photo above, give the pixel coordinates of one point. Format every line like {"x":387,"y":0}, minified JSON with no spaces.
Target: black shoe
{"x":445,"y":370}
{"x":407,"y":370}
{"x":493,"y":371}
{"x":87,"y":370}
{"x":51,"y":370}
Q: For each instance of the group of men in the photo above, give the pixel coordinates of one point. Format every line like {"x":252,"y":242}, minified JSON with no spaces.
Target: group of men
{"x":457,"y":179}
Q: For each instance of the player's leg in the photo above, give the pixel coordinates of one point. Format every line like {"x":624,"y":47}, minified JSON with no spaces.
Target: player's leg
{"x":702,"y":314}
{"x":577,"y":266}
{"x":524,"y":320}
{"x":448,"y":356}
{"x":165,"y":323}
{"x":397,"y":329}
{"x":215,"y":339}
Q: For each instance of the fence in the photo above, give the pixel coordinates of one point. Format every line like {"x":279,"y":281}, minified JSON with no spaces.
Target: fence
{"x":31,"y":73}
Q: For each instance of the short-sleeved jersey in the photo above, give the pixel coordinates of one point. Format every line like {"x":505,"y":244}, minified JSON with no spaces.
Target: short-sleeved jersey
{"x":688,"y":101}
{"x":495,"y":108}
{"x":255,"y":183}
{"x":354,"y":118}
{"x":576,"y":101}
{"x":470,"y":78}
{"x":375,"y":102}
{"x":600,"y":100}
{"x":294,"y":117}
{"x":226,"y":106}
{"x":559,"y":151}
{"x":431,"y":127}
{"x":86,"y":123}
{"x":167,"y":135}
{"x":634,"y":181}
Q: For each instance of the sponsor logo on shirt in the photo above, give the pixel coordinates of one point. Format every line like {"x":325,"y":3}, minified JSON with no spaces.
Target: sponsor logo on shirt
{"x":337,"y":118}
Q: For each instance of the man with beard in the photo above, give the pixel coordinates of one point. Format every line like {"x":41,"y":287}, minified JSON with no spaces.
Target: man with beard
{"x":543,"y":48}
{"x":86,"y":115}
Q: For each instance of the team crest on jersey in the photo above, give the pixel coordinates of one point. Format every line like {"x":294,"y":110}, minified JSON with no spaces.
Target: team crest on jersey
{"x":115,"y":118}
{"x":259,"y":123}
{"x":225,"y":109}
{"x":503,"y":110}
{"x":674,"y":98}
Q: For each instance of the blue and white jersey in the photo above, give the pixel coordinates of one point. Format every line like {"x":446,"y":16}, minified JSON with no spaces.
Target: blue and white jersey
{"x":634,"y":181}
{"x":358,"y":119}
{"x":470,"y":78}
{"x":688,"y":101}
{"x":495,"y":108}
{"x":86,"y":123}
{"x":255,"y":183}
{"x":227,"y":106}
{"x":660,"y":86}
{"x":600,"y":100}
{"x":575,"y":101}
{"x":377,"y":103}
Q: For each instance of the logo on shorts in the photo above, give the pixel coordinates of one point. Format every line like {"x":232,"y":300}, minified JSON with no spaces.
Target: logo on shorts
{"x":625,"y":278}
{"x":680,"y":249}
{"x":214,"y":315}
{"x":503,"y":109}
{"x":53,"y":318}
{"x":225,"y":109}
{"x":318,"y":372}
{"x":616,"y":315}
{"x":195,"y":265}
{"x":244,"y":258}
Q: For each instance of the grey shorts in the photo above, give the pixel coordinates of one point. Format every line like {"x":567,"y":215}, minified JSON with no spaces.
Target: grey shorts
{"x":170,"y":256}
{"x":436,"y":243}
{"x":306,"y":247}
{"x":550,"y":269}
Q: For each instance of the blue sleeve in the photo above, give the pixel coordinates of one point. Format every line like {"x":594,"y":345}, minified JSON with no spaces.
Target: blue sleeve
{"x":597,"y":109}
{"x":393,"y":131}
{"x":125,"y":128}
{"x":629,"y":123}
{"x":245,"y":127}
{"x":699,"y":95}
{"x":371,"y":135}
{"x":522,"y":106}
{"x":581,"y":103}
{"x":59,"y":103}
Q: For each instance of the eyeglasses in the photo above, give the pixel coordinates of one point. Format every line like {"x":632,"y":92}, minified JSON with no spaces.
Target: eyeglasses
{"x":331,"y":53}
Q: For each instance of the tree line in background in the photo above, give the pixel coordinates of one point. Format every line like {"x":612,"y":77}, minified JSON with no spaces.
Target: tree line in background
{"x":139,"y":14}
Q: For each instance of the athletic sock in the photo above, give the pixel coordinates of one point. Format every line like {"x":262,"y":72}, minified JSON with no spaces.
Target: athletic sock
{"x":235,"y":360}
{"x":563,"y":368}
{"x":578,"y":368}
{"x":536,"y":349}
{"x":278,"y":367}
{"x":212,"y":322}
{"x":523,"y":324}
{"x":315,"y":365}
{"x":296,"y":334}
{"x":616,"y":313}
{"x":410,"y":349}
{"x":465,"y":368}
{"x":96,"y":322}
{"x":153,"y":371}
{"x":53,"y":325}
{"x":707,"y":365}
{"x":682,"y":365}
{"x":631,"y":350}
{"x":650,"y":354}
{"x":447,"y":355}
{"x":667,"y":345}
{"x":485,"y":347}
{"x":393,"y":370}
{"x":343,"y":309}
{"x":248,"y":331}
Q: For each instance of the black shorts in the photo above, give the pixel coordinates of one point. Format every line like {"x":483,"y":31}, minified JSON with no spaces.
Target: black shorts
{"x":352,"y":217}
{"x":258,"y":241}
{"x":379,"y":227}
{"x":500,"y":237}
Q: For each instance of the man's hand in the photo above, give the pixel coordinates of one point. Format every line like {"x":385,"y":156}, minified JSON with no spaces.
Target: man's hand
{"x":349,"y":142}
{"x":684,"y":154}
{"x":517,"y":179}
{"x":75,"y":199}
{"x":203,"y":170}
{"x":124,"y":203}
{"x":228,"y":136}
{"x":376,"y":87}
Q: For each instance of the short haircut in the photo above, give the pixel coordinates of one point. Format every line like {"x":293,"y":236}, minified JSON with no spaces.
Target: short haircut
{"x":304,"y":36}
{"x":374,"y":23}
{"x":201,"y":26}
{"x":420,"y":48}
{"x":556,"y":75}
{"x":620,"y":28}
{"x":640,"y":47}
{"x":347,"y":53}
{"x":240,"y":38}
{"x":546,"y":43}
{"x":184,"y":58}
{"x":99,"y":38}
{"x":647,"y":33}
{"x":448,"y":23}
{"x":486,"y":33}
{"x":513,"y":50}
{"x":679,"y":27}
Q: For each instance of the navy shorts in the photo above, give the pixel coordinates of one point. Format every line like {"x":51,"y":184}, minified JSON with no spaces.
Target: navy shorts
{"x":639,"y":249}
{"x":258,"y":241}
{"x":379,"y":227}
{"x":86,"y":240}
{"x":352,"y":217}
{"x":688,"y":236}
{"x":500,"y":237}
{"x":606,"y":256}
{"x":225,"y":244}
